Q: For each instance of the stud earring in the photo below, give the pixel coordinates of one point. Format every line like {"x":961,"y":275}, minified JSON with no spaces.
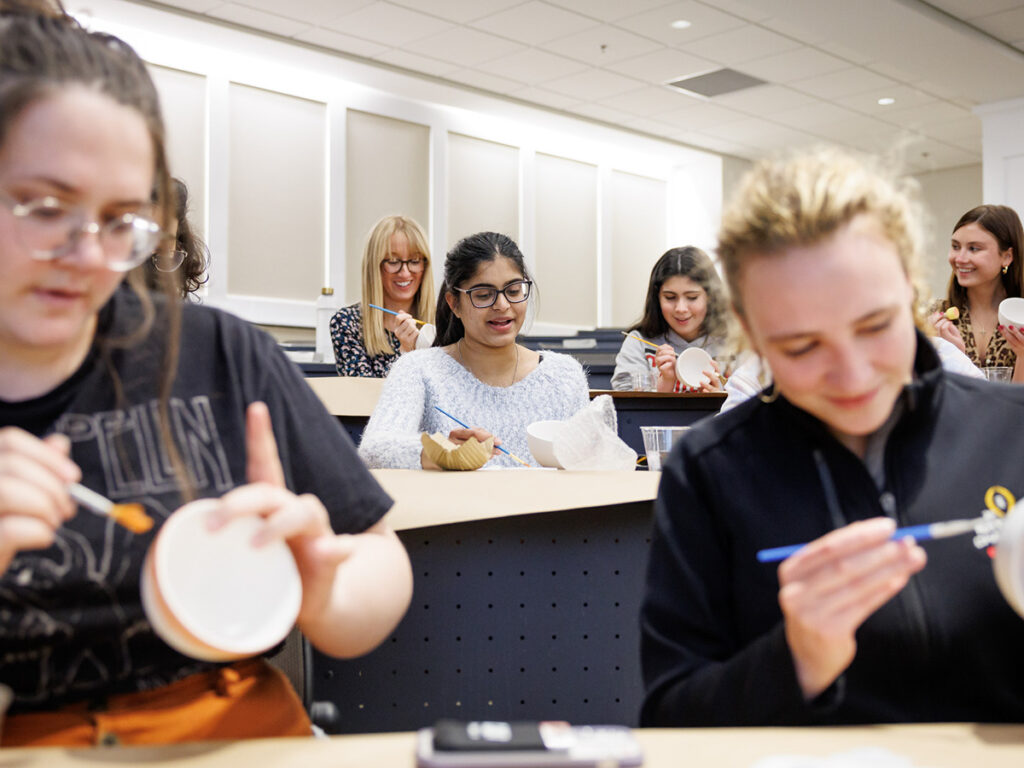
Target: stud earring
{"x":1006,"y":268}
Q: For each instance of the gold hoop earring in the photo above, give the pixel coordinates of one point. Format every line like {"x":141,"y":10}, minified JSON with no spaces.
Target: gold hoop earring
{"x":771,"y":397}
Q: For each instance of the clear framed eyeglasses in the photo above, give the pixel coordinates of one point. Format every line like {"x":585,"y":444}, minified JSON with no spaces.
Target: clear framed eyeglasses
{"x":484,"y":296}
{"x":49,"y":229}
{"x":166,"y":260}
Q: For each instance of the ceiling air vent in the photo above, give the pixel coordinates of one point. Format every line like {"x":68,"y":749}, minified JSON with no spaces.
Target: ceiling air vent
{"x":716,"y":83}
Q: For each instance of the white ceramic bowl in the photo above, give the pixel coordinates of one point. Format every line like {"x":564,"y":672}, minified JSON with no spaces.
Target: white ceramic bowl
{"x":540,"y":437}
{"x":1008,"y":563}
{"x":690,"y":365}
{"x":212,"y":595}
{"x":1011,"y":312}
{"x":428,"y":332}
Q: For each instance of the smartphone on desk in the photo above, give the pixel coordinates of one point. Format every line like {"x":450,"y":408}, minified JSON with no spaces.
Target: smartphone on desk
{"x":500,"y":744}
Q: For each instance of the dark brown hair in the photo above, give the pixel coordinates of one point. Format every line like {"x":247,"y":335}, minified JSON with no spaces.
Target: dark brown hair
{"x":188,"y":277}
{"x":42,"y":52}
{"x":688,"y":261}
{"x":1003,"y":223}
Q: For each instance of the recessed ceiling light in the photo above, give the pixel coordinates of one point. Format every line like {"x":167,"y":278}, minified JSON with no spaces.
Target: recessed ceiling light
{"x":680,"y":24}
{"x":886,"y":101}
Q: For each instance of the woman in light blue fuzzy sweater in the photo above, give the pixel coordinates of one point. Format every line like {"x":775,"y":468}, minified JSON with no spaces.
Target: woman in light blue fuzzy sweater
{"x":476,"y":371}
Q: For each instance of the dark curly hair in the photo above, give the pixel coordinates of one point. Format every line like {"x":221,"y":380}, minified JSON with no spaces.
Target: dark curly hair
{"x":192,"y":273}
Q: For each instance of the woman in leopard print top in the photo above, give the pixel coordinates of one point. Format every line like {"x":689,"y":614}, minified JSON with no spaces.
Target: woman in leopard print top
{"x":985,"y":256}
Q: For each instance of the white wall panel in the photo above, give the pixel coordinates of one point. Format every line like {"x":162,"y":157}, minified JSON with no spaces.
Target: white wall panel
{"x":387,"y":165}
{"x":277,"y":194}
{"x":483,"y":187}
{"x":637,"y":217}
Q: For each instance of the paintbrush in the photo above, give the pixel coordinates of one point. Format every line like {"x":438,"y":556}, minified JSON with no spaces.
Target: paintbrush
{"x":131,"y":516}
{"x":392,"y":312}
{"x":642,"y":341}
{"x":919,"y":532}
{"x":464,"y":424}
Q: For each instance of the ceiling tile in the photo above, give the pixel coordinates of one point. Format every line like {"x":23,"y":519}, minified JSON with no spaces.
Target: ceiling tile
{"x":533,"y":66}
{"x":534,"y":23}
{"x":702,"y":117}
{"x":423,"y":65}
{"x":310,"y":11}
{"x":598,"y":112}
{"x":764,"y":99}
{"x":662,"y":66}
{"x":738,"y":46}
{"x":845,"y":82}
{"x":965,"y":132}
{"x":928,"y":155}
{"x":339,"y":42}
{"x":601,"y":45}
{"x":196,"y":6}
{"x":750,"y":10}
{"x":460,"y":11}
{"x":932,"y":113}
{"x":388,"y":24}
{"x":703,"y":19}
{"x":797,"y":64}
{"x":717,"y":144}
{"x":593,"y":84}
{"x":1008,"y":25}
{"x":545,"y":97}
{"x":813,"y":116}
{"x":850,"y":130}
{"x":463,"y":46}
{"x":647,"y":125}
{"x":250,"y":17}
{"x":606,"y":10}
{"x":867,"y":103}
{"x":484,"y":81}
{"x":649,"y":101}
{"x":968,"y":9}
{"x":761,"y":133}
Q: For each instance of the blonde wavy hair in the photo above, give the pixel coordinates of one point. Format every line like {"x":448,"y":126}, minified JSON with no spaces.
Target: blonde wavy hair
{"x":802,"y":198}
{"x":378,"y":248}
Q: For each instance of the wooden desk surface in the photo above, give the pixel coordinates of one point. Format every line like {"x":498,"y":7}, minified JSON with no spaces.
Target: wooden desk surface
{"x":927,"y":746}
{"x":425,"y":498}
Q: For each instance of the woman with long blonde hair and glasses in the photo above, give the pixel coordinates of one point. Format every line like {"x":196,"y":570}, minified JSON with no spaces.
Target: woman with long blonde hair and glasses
{"x":397,"y":277}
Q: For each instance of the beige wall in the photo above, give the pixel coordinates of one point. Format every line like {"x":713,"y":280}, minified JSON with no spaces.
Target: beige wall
{"x":946,"y":196}
{"x":387,"y":171}
{"x":638,"y":239}
{"x":566,"y":244}
{"x":276,"y":205}
{"x":483,"y":188}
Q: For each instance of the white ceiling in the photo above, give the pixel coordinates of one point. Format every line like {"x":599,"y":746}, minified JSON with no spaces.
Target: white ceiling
{"x":826,"y":62}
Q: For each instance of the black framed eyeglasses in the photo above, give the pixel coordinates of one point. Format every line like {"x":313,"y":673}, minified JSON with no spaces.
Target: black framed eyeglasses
{"x":484,"y":296}
{"x":394,"y":266}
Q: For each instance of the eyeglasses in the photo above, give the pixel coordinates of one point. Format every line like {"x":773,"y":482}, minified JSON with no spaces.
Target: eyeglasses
{"x":483,"y":296}
{"x":49,"y":229}
{"x":394,"y":266}
{"x":168,"y":261}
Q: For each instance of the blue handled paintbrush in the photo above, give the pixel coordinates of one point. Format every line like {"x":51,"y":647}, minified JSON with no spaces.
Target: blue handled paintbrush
{"x":464,"y":424}
{"x":919,"y":532}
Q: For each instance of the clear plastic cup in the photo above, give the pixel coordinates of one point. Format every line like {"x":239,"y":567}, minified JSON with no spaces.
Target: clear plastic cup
{"x":998,"y":372}
{"x":658,"y":442}
{"x":643,"y":381}
{"x":6,"y":696}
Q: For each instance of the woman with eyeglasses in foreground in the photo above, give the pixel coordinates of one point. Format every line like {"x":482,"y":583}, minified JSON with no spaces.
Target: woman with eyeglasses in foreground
{"x":476,"y":371}
{"x":93,"y":390}
{"x":862,"y":431}
{"x":396,"y":276}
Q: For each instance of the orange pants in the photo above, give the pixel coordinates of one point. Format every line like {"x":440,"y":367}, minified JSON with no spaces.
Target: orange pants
{"x":245,"y":700}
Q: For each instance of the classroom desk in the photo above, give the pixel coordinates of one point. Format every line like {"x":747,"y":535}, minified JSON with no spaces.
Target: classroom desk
{"x":527,"y":588}
{"x":923,"y":746}
{"x":352,"y":400}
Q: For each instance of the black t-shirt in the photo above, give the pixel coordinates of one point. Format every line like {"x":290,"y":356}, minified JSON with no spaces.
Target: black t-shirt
{"x":71,"y":622}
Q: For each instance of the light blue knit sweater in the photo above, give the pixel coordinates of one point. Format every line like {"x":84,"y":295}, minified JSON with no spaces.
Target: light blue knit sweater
{"x":419,"y":380}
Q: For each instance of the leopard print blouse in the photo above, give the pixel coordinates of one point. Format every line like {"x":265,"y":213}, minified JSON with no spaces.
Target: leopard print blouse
{"x":998,"y":351}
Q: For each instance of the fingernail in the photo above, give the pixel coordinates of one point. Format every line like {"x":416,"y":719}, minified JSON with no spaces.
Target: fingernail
{"x":999,"y":327}
{"x":214,"y":520}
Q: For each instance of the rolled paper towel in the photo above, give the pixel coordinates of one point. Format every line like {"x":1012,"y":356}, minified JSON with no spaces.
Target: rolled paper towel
{"x":427,"y":335}
{"x":952,"y":313}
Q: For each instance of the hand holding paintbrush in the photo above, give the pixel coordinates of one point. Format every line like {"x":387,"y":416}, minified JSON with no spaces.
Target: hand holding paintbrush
{"x":131,"y":516}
